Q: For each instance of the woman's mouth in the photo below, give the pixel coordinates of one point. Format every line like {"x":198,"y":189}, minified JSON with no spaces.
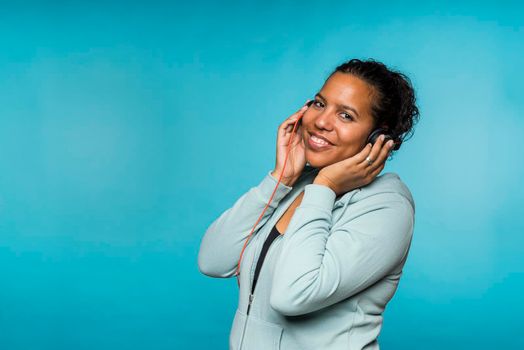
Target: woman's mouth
{"x":317,"y":144}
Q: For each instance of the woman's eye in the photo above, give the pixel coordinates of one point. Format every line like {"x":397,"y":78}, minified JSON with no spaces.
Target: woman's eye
{"x":319,"y":104}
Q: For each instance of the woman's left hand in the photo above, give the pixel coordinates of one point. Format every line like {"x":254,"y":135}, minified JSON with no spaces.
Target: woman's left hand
{"x":355,"y":171}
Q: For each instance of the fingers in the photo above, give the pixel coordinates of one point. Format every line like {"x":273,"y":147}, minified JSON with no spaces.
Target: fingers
{"x":289,"y":122}
{"x":384,"y":152}
{"x":375,"y":151}
{"x":299,"y":112}
{"x":287,"y":126}
{"x":360,"y":157}
{"x":376,"y":171}
{"x":377,"y":154}
{"x":303,"y":108}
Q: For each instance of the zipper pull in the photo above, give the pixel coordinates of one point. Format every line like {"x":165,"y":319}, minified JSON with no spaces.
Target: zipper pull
{"x":249,"y":303}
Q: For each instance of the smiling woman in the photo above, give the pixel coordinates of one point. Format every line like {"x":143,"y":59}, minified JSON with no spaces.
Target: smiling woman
{"x":358,"y":97}
{"x":329,"y":247}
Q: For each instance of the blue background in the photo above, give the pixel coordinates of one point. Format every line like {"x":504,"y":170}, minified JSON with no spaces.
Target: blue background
{"x":127,"y":128}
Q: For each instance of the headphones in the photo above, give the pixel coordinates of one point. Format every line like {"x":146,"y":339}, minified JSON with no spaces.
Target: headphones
{"x":372,"y":138}
{"x":387,"y":136}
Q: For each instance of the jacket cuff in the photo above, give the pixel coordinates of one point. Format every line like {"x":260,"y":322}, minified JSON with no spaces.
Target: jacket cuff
{"x":266,"y":187}
{"x":318,"y":196}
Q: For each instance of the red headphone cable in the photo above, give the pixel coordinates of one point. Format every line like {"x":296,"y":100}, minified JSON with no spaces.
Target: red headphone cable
{"x":237,"y":272}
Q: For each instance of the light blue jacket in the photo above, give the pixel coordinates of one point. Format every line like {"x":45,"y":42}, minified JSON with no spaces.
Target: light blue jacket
{"x":325,"y":283}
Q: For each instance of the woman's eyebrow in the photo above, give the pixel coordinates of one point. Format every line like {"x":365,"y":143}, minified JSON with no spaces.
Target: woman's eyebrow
{"x":349,"y":108}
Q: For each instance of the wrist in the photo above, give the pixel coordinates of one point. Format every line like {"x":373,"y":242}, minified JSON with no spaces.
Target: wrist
{"x":286,"y":181}
{"x":321,"y":181}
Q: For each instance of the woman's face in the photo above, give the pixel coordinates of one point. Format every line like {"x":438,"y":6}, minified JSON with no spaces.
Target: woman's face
{"x":341,"y":113}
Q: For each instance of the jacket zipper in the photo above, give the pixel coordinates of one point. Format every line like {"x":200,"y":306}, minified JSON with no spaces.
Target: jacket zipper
{"x":245,"y":322}
{"x":251,"y":294}
{"x":252,"y":291}
{"x":250,"y":300}
{"x":249,"y":304}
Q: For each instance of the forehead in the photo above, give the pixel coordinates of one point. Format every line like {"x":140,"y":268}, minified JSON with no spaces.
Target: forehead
{"x":344,"y":88}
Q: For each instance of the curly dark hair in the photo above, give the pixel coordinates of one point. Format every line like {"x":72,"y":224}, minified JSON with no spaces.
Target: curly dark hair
{"x":394,"y":102}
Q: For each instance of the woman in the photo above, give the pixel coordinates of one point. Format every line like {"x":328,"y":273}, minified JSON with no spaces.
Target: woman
{"x":327,"y":255}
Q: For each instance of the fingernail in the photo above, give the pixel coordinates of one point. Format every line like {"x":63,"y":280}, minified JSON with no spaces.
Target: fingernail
{"x":382,"y":137}
{"x":390,"y":143}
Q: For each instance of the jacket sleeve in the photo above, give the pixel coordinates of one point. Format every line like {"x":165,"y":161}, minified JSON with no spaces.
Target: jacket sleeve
{"x":318,"y":266}
{"x":222,"y":243}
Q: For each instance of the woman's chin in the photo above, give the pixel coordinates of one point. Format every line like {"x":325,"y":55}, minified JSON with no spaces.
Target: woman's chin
{"x":318,"y":161}
{"x":315,"y":163}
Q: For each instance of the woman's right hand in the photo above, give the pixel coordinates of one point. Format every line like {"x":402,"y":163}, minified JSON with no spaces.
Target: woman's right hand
{"x":297,"y":156}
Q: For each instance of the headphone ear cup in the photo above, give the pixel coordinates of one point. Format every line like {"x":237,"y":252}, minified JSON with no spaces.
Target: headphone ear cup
{"x":374,"y":136}
{"x":379,"y":131}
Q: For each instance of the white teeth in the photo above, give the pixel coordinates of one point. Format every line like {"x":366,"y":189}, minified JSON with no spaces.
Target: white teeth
{"x":319,"y":141}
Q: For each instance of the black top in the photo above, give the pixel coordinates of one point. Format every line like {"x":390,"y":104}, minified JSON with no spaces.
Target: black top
{"x":270,"y":238}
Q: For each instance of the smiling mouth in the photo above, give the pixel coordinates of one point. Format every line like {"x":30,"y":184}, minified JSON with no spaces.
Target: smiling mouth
{"x":319,"y":138}
{"x":317,"y":144}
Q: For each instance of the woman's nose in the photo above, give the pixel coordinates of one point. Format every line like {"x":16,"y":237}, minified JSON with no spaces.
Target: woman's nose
{"x":324,"y":119}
